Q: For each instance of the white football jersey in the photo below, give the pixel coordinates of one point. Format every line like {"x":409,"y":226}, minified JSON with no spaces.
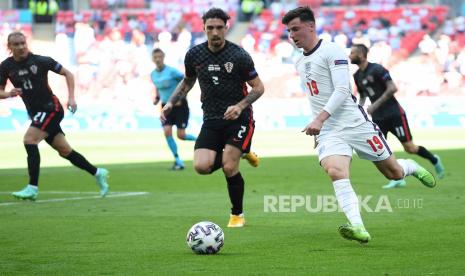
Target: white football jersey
{"x":318,"y":70}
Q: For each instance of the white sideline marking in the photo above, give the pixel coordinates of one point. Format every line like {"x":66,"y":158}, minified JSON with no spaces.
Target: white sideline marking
{"x":111,"y":194}
{"x":70,"y":193}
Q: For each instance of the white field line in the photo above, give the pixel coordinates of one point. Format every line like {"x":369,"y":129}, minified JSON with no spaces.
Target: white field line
{"x":68,"y":193}
{"x":112,"y":194}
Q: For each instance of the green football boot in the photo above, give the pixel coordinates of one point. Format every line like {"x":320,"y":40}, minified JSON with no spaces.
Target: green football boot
{"x":424,"y":176}
{"x":101,"y":177}
{"x":29,"y":193}
{"x":356,"y":233}
{"x":395,"y":184}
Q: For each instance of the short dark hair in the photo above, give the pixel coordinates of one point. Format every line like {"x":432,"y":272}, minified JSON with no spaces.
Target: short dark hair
{"x":157,"y":50}
{"x":362,"y":48}
{"x":15,"y":33}
{"x":216,"y":13}
{"x":304,"y":13}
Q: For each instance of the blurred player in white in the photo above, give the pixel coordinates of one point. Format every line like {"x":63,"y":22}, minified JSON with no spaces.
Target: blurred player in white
{"x":339,"y":124}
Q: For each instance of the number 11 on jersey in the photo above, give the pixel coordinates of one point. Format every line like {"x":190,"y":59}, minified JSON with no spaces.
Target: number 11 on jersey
{"x":313,"y":88}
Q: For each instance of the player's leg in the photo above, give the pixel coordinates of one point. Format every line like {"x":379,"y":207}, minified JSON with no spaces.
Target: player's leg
{"x":208,"y":153}
{"x":396,"y":169}
{"x":411,"y":147}
{"x":235,"y":183}
{"x":61,"y":145}
{"x":168,"y":132}
{"x":238,"y":140}
{"x":182,"y":135}
{"x":387,"y":126}
{"x":401,"y":130}
{"x":182,"y":120}
{"x":31,"y":140}
{"x":337,"y":168}
{"x":370,"y":144}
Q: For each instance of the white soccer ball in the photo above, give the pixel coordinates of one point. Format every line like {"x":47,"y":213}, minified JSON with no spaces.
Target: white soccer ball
{"x":205,"y":237}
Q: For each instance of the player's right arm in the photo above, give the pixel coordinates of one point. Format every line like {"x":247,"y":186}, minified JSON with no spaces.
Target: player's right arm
{"x":338,"y":65}
{"x":179,"y":94}
{"x":13,"y":92}
{"x":183,"y":87}
{"x":363,"y":97}
{"x":3,"y":78}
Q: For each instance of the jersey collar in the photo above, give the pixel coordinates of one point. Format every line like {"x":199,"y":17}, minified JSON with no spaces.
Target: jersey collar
{"x":314,"y":48}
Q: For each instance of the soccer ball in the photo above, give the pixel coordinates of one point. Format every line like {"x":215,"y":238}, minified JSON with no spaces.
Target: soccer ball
{"x":205,"y":237}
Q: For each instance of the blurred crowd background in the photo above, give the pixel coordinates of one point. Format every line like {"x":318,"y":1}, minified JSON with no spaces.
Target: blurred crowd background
{"x":107,"y":44}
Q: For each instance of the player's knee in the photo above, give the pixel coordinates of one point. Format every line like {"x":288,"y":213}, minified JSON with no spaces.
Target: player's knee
{"x":394,"y":173}
{"x":230,"y":168}
{"x":64,"y":152}
{"x":335,"y":172}
{"x":30,"y":140}
{"x":409,"y":148}
{"x":181,"y":136}
{"x":202,"y":168}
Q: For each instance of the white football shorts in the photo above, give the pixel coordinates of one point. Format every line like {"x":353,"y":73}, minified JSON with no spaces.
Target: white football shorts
{"x":366,"y":140}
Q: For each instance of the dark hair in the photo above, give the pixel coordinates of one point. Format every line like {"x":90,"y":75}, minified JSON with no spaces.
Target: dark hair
{"x":304,"y":13}
{"x":216,"y":13}
{"x":15,"y":33}
{"x":157,"y":50}
{"x":362,"y":48}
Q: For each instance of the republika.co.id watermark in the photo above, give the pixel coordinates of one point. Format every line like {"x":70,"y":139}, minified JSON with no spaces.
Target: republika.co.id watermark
{"x":328,"y":203}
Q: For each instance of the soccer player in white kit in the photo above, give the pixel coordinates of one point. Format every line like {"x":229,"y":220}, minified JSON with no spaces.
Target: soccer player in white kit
{"x":339,"y":124}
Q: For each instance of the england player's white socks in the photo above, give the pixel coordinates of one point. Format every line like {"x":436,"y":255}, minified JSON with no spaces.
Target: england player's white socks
{"x":408,"y":165}
{"x":348,"y":201}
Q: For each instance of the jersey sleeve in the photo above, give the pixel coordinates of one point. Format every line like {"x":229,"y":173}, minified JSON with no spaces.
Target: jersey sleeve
{"x":382,"y":73}
{"x":359,"y":89}
{"x":247,"y":68}
{"x":189,"y":65}
{"x":3,"y":74}
{"x":177,"y":75}
{"x":51,"y":64}
{"x":338,"y":64}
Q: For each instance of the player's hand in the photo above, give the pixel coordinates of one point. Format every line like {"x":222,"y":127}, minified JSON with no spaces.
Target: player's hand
{"x":232,"y":112}
{"x":313,"y":128}
{"x":72,"y":106}
{"x":165,"y":111}
{"x":15,"y":92}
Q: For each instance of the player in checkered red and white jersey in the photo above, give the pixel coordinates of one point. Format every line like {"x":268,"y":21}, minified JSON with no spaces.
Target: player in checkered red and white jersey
{"x":339,"y":124}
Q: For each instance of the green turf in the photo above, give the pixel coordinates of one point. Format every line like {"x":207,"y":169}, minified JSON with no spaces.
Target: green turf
{"x":145,"y":235}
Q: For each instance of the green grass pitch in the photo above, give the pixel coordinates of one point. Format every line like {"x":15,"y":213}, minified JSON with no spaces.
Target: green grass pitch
{"x":144,"y":234}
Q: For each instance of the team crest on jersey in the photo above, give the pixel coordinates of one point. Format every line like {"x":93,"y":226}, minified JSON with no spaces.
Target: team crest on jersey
{"x":308,"y":70}
{"x":370,"y":78}
{"x":33,"y":69}
{"x":228,"y":66}
{"x":308,"y":67}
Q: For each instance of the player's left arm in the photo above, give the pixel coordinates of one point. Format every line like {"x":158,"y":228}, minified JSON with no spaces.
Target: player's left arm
{"x":72,"y":105}
{"x":249,"y":75}
{"x":391,"y":88}
{"x":234,"y":111}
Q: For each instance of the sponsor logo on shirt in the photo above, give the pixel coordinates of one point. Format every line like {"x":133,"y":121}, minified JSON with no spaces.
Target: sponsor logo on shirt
{"x":214,"y":67}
